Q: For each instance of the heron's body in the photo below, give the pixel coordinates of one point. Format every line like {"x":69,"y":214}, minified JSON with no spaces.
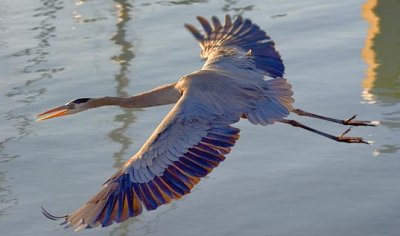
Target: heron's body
{"x":242,"y":78}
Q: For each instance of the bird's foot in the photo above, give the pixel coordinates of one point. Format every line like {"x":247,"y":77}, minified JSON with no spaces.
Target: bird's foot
{"x":353,"y":122}
{"x":345,"y":139}
{"x":350,"y":121}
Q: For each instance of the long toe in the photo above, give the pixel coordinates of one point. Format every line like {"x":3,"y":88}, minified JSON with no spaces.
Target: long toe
{"x":352,"y":140}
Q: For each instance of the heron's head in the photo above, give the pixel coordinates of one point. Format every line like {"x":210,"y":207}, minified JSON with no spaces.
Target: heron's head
{"x":72,"y":107}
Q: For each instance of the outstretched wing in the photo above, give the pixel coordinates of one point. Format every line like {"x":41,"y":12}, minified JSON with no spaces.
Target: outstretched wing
{"x":196,"y":134}
{"x":188,"y":144}
{"x":238,"y":42}
{"x":242,"y":50}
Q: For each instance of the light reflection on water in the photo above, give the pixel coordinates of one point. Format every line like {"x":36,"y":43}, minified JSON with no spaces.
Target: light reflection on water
{"x":124,"y":9}
{"x":37,"y":68}
{"x":382,"y":54}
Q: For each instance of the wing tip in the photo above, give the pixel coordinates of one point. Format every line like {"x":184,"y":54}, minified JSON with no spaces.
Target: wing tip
{"x":228,"y":20}
{"x":205,"y":24}
{"x":195,"y":32}
{"x":51,"y":216}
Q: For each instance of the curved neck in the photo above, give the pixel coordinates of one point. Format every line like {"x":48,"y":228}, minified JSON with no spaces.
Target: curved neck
{"x":163,"y":95}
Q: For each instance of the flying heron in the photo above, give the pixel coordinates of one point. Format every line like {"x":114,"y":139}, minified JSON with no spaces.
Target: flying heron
{"x":242,"y":78}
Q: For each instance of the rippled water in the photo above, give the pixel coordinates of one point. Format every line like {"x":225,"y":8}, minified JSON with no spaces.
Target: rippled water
{"x":341,"y":57}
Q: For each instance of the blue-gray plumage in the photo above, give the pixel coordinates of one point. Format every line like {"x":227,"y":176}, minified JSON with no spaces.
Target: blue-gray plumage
{"x":241,"y":78}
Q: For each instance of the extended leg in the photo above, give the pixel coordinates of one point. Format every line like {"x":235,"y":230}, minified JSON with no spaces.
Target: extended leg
{"x":349,"y":121}
{"x":340,"y":138}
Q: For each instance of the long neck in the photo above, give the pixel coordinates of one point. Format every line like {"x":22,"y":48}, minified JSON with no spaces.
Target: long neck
{"x":163,"y":95}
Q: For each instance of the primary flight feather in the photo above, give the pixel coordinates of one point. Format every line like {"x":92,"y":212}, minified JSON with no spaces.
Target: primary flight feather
{"x":241,"y":78}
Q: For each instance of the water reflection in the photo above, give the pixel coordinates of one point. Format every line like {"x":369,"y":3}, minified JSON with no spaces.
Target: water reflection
{"x":181,"y":2}
{"x":230,"y":6}
{"x":382,"y":54}
{"x":123,"y":59}
{"x":27,"y":93}
{"x":36,"y":64}
{"x":79,"y":18}
{"x":6,"y":199}
{"x":127,"y":117}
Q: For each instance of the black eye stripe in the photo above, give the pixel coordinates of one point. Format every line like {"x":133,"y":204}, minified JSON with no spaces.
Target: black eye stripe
{"x":80,"y":100}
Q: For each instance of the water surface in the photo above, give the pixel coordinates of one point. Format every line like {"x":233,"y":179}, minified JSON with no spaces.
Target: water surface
{"x":342,"y":58}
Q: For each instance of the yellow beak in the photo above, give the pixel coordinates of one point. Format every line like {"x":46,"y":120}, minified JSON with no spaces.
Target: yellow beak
{"x":55,"y":112}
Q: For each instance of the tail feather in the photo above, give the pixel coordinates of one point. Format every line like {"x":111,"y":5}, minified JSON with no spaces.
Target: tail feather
{"x":274,"y":105}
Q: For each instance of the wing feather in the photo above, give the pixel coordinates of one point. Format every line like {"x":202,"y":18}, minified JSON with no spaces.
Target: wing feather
{"x":197,"y":133}
{"x":206,"y":25}
{"x":228,"y":21}
{"x":195,"y":146}
{"x":216,"y":23}
{"x":254,"y":44}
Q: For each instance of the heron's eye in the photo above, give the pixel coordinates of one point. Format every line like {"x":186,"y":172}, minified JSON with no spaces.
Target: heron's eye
{"x":80,"y":100}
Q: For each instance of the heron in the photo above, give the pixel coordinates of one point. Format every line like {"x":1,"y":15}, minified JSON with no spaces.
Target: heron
{"x":242,"y":78}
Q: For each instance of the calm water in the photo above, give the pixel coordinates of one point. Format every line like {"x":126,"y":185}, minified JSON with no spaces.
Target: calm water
{"x":342,"y":58}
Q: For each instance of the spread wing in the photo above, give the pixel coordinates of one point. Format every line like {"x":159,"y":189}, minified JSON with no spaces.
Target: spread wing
{"x":196,"y":134}
{"x":242,"y":50}
{"x":188,"y":144}
{"x":239,"y":43}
